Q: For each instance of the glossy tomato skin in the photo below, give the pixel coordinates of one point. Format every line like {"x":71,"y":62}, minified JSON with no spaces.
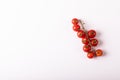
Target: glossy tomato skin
{"x":91,"y":33}
{"x":94,"y":42}
{"x":99,"y":52}
{"x":85,"y":40}
{"x":75,"y":21}
{"x":81,"y":34}
{"x":86,"y":48}
{"x":90,"y":54}
{"x":76,"y":28}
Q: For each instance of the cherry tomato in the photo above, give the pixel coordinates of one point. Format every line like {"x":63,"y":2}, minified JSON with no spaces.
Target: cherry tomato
{"x":91,"y":33}
{"x":90,"y":54}
{"x":85,"y":40}
{"x":81,"y":34}
{"x":76,"y":28}
{"x":75,"y":21}
{"x":86,"y":48}
{"x":94,"y":42}
{"x":99,"y":52}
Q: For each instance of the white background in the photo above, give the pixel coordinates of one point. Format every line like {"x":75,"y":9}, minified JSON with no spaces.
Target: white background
{"x":37,"y":41}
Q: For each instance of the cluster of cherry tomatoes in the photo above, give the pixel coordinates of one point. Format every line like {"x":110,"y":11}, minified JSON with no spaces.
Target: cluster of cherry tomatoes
{"x":88,"y":39}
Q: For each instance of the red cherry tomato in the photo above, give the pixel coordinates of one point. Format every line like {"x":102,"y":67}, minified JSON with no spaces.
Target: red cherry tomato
{"x":86,"y":48}
{"x":76,"y":28}
{"x":90,"y":54}
{"x":94,"y":42}
{"x":91,"y":33}
{"x":81,"y":34}
{"x":75,"y":21}
{"x":85,"y":40}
